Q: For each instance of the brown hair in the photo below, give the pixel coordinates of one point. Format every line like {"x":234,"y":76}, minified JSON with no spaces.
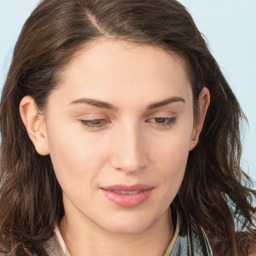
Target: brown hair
{"x":215,"y":193}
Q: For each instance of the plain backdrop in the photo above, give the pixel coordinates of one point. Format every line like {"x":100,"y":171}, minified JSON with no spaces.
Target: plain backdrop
{"x":229,"y":27}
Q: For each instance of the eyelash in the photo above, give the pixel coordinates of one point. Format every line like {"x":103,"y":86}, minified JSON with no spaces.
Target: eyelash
{"x":99,"y":123}
{"x":164,"y":121}
{"x":89,"y":123}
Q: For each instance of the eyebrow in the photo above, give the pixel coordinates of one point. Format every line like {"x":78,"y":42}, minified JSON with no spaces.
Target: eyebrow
{"x":165,"y":102}
{"x":93,"y":102}
{"x":102,"y":104}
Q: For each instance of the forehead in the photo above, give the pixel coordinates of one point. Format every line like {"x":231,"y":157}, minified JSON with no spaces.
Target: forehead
{"x":122,"y":52}
{"x":107,"y":68}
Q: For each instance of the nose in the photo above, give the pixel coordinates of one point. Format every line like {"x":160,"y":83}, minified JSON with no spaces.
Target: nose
{"x":128,"y":149}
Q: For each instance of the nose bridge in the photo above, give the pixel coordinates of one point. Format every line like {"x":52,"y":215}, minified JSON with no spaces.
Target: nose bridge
{"x":128,"y":151}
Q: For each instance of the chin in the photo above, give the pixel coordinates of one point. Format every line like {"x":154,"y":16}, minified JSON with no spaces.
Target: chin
{"x":127,"y":229}
{"x":128,"y":225}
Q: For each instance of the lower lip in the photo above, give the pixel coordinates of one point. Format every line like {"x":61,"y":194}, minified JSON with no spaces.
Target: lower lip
{"x":128,"y":201}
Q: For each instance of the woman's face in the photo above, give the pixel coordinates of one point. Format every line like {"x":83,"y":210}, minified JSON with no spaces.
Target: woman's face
{"x":118,"y":130}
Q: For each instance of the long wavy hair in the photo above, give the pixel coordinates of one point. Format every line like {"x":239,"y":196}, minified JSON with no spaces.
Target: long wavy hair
{"x":215,"y":195}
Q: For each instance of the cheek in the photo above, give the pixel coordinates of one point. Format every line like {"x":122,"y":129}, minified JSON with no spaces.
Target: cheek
{"x":76,"y":157}
{"x":172,"y":162}
{"x":171,"y":170}
{"x":172,"y":148}
{"x":170,"y":155}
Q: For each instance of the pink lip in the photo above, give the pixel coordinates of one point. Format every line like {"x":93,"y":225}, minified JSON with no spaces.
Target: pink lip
{"x":127,"y":200}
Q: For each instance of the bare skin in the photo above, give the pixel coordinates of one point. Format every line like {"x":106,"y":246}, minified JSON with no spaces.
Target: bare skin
{"x":123,"y":114}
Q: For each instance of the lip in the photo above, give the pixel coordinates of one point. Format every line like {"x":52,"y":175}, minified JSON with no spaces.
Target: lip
{"x":140,"y":193}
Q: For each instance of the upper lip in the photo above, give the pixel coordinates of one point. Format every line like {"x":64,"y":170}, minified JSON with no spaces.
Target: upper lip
{"x":123,"y":187}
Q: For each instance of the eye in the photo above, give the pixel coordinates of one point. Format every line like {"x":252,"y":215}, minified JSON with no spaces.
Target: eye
{"x":162,"y":121}
{"x":94,"y":123}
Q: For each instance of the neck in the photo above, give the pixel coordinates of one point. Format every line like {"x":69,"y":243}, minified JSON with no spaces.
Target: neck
{"x":84,"y":237}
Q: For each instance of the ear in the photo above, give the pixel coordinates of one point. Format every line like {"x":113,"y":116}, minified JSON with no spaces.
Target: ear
{"x":35,"y":125}
{"x":202,"y":106}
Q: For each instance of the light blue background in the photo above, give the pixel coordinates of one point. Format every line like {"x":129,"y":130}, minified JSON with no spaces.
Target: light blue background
{"x":230,"y":29}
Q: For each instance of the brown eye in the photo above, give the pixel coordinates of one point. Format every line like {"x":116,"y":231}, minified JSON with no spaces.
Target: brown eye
{"x":160,"y":120}
{"x":94,"y":123}
{"x":164,"y":121}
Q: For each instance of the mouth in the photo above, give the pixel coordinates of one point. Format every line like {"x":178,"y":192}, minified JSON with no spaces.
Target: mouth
{"x":127,"y":196}
{"x":126,"y":192}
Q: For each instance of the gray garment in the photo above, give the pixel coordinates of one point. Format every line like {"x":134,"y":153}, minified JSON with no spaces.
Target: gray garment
{"x":184,"y":246}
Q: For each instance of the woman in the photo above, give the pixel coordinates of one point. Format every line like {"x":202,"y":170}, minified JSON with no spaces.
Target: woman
{"x":120,"y":136}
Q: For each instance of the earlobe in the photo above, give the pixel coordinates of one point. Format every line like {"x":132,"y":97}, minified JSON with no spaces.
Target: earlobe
{"x":203,"y":104}
{"x":35,"y":125}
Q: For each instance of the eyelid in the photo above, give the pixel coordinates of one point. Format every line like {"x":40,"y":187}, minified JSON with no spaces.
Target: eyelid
{"x":91,"y":116}
{"x":164,"y":122}
{"x":162,"y":118}
{"x":96,"y":123}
